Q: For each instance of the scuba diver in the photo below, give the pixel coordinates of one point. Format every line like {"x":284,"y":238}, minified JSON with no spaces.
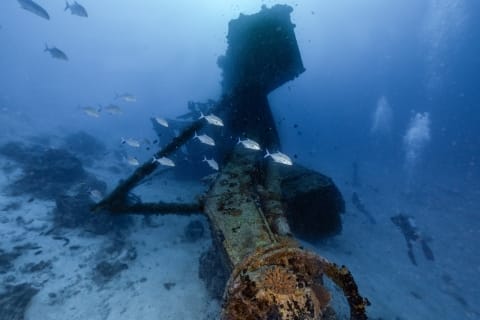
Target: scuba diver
{"x":409,"y":229}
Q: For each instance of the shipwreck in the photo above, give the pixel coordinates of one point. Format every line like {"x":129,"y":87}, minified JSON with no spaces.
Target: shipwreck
{"x":256,"y":208}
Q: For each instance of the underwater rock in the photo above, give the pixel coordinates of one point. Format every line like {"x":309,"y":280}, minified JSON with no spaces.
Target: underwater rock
{"x":18,"y":152}
{"x":6,"y":259}
{"x":85,"y":146}
{"x":121,"y":250}
{"x":46,"y":172}
{"x":213,"y":273}
{"x":314,"y":203}
{"x":13,"y":206}
{"x":74,"y":212}
{"x":36,"y":267}
{"x":194,"y":231}
{"x":105,"y":271}
{"x":169,"y":285}
{"x":14,"y":301}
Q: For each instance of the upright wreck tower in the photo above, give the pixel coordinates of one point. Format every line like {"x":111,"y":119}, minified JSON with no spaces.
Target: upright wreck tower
{"x":255,"y":206}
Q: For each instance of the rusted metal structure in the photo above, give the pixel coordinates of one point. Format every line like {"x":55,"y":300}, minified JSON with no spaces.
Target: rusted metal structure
{"x":271,"y":276}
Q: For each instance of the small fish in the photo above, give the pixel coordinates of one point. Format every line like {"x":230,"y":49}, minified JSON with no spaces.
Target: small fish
{"x":92,"y":112}
{"x":76,"y":9}
{"x":95,"y":195}
{"x":204,"y":139}
{"x":56,"y":53}
{"x":212,"y":163}
{"x":212,"y":119}
{"x":127,"y":97}
{"x":164,"y":161}
{"x":34,"y":8}
{"x":249,"y":144}
{"x":279,"y":157}
{"x":132,"y":161}
{"x":131,"y":142}
{"x":161,"y":122}
{"x":113,"y":109}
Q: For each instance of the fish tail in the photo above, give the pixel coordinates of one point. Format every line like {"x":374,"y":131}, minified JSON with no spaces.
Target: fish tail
{"x":46,"y":47}
{"x":123,"y":140}
{"x":267,"y":154}
{"x":196,"y":135}
{"x":154,"y":159}
{"x":204,"y":158}
{"x":67,"y":6}
{"x":201,"y":115}
{"x":116,"y":96}
{"x":239,"y":140}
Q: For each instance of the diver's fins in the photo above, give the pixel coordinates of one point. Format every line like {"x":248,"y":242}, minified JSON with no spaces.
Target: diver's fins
{"x":427,"y":251}
{"x":411,"y":256}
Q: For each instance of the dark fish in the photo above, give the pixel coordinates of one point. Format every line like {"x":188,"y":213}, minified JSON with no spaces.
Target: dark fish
{"x":34,"y":8}
{"x":56,"y":53}
{"x":76,"y":9}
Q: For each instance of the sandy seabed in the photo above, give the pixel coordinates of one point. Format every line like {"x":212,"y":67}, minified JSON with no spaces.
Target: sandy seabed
{"x":161,"y":281}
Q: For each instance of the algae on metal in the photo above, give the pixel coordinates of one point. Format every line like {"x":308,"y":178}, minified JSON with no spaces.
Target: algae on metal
{"x":234,"y":210}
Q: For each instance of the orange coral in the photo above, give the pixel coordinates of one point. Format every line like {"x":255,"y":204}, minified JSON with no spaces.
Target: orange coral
{"x":279,"y":280}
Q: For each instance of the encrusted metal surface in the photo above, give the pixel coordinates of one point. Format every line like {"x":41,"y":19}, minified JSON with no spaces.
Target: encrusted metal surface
{"x":277,"y":282}
{"x":234,"y":209}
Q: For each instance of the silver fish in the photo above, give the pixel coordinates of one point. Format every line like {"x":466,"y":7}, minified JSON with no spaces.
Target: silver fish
{"x":92,"y":112}
{"x":76,"y":9}
{"x":161,"y":122}
{"x":205,"y":139}
{"x":127,"y":97}
{"x":56,"y":53}
{"x":212,"y":163}
{"x":279,"y":157}
{"x":113,"y":109}
{"x":249,"y":144}
{"x":131,"y":142}
{"x":34,"y":8}
{"x":212,"y":119}
{"x":164,"y":161}
{"x":95,"y":195}
{"x":132,"y":161}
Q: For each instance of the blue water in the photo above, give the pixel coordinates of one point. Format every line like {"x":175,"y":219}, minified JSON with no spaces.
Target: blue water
{"x":390,"y":86}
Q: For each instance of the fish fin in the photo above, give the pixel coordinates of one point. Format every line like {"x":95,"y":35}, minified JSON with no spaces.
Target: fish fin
{"x":67,"y":6}
{"x":267,"y":154}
